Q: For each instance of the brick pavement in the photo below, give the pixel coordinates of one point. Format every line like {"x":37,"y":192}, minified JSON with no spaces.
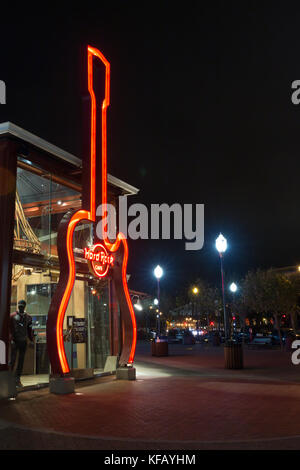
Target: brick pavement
{"x":184,"y":401}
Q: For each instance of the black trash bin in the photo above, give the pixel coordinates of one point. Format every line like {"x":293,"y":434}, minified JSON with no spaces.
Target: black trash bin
{"x":159,"y":347}
{"x":233,"y":352}
{"x":216,"y":341}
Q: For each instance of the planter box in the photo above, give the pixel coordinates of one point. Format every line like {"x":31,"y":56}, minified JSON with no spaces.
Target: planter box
{"x":160,"y":348}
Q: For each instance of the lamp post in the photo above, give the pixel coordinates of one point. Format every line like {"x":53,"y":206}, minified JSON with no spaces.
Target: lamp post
{"x":233,"y":289}
{"x":221,"y":245}
{"x":195,"y":292}
{"x":158,"y":272}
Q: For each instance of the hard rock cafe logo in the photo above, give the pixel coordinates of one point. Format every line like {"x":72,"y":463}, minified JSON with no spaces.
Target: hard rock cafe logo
{"x":99,"y":259}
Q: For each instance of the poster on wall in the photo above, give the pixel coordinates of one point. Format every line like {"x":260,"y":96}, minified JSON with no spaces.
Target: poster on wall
{"x":79,"y":330}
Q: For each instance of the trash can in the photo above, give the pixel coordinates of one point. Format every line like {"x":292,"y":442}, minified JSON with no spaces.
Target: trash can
{"x":233,"y":353}
{"x":159,"y":347}
{"x":216,"y":339}
{"x":289,"y":340}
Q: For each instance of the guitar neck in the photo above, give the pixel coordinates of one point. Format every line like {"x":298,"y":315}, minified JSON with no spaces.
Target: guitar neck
{"x":95,"y":175}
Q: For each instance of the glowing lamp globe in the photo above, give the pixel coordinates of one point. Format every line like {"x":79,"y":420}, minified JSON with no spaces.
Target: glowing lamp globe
{"x":158,"y":272}
{"x":138,"y":307}
{"x":233,"y":287}
{"x":221,"y":244}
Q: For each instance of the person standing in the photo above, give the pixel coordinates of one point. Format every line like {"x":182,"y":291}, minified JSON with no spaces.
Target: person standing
{"x":20,"y":330}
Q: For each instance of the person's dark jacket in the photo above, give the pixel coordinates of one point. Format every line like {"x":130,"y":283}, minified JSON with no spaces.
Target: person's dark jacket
{"x":21,"y":327}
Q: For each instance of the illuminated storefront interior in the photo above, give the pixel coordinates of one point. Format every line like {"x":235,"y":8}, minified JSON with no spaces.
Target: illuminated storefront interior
{"x":42,"y":199}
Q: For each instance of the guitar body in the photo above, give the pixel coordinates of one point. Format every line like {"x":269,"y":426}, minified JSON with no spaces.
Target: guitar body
{"x":94,"y":192}
{"x":128,"y":322}
{"x":55,"y":344}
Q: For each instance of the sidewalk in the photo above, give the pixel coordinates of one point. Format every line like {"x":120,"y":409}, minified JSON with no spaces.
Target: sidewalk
{"x":184,"y":401}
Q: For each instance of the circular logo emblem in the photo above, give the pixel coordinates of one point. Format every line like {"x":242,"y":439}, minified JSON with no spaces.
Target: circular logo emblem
{"x":99,"y":259}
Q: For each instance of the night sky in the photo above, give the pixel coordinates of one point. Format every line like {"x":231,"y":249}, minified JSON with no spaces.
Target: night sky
{"x":200,"y":112}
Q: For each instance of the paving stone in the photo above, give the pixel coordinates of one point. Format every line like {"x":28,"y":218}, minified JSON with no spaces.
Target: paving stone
{"x":187,"y":400}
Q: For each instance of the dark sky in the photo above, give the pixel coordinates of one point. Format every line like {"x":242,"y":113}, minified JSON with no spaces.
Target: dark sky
{"x":200,"y":112}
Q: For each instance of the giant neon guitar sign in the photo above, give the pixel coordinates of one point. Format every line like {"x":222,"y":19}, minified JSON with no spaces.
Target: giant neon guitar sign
{"x":94,"y":192}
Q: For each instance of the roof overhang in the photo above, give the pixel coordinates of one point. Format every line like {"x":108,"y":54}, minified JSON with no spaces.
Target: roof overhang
{"x":8,"y":128}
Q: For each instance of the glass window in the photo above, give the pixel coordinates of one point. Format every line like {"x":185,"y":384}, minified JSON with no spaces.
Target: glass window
{"x":40,"y":206}
{"x":98,"y":311}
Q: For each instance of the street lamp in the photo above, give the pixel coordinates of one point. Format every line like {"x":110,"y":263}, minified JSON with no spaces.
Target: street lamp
{"x":233,"y":288}
{"x":195,"y":291}
{"x":138,"y":305}
{"x":158,"y":272}
{"x":221,"y":246}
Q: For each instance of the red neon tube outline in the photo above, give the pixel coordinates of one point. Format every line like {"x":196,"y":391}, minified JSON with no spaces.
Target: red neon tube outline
{"x":113,"y":247}
{"x":91,"y":214}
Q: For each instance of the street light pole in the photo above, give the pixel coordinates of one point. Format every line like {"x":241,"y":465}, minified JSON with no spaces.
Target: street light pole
{"x":223,"y":296}
{"x":233,"y":288}
{"x":221,"y":245}
{"x":158,"y":303}
{"x":195,"y":292}
{"x":158,"y":272}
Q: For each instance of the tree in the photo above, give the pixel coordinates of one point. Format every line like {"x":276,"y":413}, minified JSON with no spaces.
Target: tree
{"x":207,"y":300}
{"x":269,"y":293}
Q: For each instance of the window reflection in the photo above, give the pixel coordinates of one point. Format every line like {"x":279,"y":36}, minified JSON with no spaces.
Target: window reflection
{"x":40,"y":206}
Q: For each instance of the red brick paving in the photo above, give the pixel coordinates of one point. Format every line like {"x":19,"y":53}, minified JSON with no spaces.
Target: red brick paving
{"x":184,"y":401}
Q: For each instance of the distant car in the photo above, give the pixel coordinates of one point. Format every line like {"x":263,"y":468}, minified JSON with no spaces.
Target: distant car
{"x":214,"y":336}
{"x":172,"y":336}
{"x":285,"y":332}
{"x":202,"y":336}
{"x":199,"y":335}
{"x":243,"y":336}
{"x":175,"y":335}
{"x":188,"y":337}
{"x":181,"y":336}
{"x":262,"y":338}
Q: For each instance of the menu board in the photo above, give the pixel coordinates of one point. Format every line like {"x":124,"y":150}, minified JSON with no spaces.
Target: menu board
{"x":79,"y":330}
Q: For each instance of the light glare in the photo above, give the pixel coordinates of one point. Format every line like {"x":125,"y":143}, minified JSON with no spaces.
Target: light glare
{"x":158,"y":272}
{"x":221,"y":244}
{"x":233,"y":287}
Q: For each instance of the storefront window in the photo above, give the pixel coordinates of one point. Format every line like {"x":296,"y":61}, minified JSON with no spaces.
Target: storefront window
{"x":98,"y":310}
{"x":40,"y":205}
